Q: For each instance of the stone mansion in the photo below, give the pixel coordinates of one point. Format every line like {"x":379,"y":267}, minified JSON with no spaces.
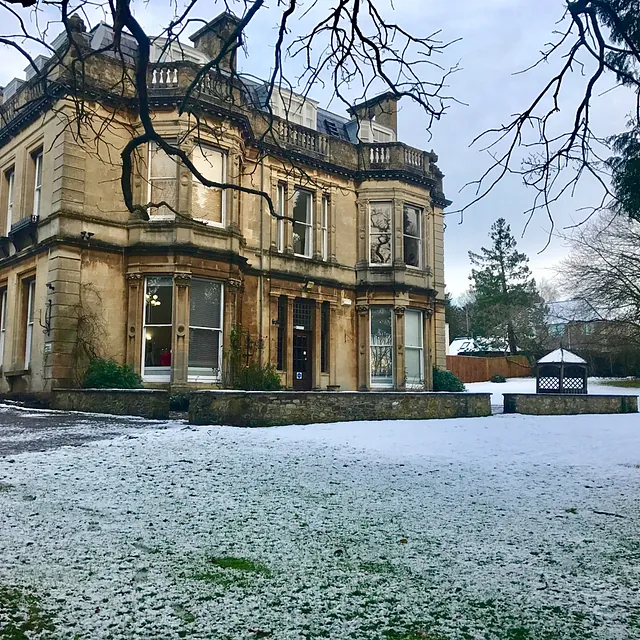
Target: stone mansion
{"x":346,"y":292}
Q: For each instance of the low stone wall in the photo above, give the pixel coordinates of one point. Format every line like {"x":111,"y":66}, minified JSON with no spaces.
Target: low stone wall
{"x":147,"y":403}
{"x":549,"y":404}
{"x":276,"y":408}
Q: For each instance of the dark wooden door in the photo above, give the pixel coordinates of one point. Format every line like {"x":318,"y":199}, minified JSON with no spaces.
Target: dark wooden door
{"x":302,"y":361}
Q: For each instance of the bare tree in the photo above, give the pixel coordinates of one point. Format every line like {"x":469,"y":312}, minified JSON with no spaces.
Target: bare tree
{"x":355,"y":47}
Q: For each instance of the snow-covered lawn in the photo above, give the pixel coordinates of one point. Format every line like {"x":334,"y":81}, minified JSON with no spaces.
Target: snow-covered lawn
{"x":506,"y":528}
{"x":528,"y":385}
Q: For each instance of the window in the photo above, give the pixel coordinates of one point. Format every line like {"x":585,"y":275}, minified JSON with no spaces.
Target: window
{"x":324,"y":228}
{"x":37,"y":185}
{"x":381,"y":347}
{"x":30,"y":288}
{"x":413,"y":348}
{"x":9,"y":179}
{"x":302,"y":223}
{"x":3,"y":322}
{"x":158,"y":314}
{"x":163,"y":181}
{"x":380,"y":233}
{"x":324,"y":337}
{"x":207,"y":203}
{"x":412,"y":228}
{"x":282,"y":196}
{"x":205,"y":330}
{"x":282,"y":333}
{"x":294,"y":109}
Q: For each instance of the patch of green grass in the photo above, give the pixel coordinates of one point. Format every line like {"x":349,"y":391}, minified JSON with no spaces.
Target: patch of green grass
{"x":5,"y":486}
{"x":416,"y":633}
{"x":239,"y":564}
{"x":382,"y":568}
{"x":21,"y":614}
{"x":225,"y":580}
{"x":571,"y":510}
{"x":629,"y":384}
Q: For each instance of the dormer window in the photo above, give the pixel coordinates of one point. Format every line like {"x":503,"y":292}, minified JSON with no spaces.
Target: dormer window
{"x":370,"y":131}
{"x":295,"y":109}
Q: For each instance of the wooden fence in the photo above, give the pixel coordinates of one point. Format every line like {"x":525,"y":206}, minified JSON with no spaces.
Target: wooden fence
{"x":476,"y":369}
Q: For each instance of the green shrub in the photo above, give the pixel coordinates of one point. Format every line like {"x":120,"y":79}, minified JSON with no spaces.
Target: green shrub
{"x":108,"y":374}
{"x":179,"y":402}
{"x":498,"y":378}
{"x":444,"y":380}
{"x":254,"y":377}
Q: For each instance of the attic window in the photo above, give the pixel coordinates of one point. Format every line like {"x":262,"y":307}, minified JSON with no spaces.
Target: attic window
{"x":332,"y":129}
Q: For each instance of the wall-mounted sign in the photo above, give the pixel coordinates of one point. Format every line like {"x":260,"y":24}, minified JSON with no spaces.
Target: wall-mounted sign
{"x":298,"y":375}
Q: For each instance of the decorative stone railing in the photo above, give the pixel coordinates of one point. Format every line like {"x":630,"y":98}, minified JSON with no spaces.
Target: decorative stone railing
{"x":394,"y":156}
{"x":300,"y":137}
{"x":163,"y":77}
{"x":27,"y":94}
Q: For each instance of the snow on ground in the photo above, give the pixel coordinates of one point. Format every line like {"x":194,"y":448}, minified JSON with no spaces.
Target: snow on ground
{"x":507,"y":528}
{"x":528,"y":385}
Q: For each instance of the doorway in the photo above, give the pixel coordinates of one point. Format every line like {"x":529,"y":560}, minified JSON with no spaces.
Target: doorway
{"x":302,"y":345}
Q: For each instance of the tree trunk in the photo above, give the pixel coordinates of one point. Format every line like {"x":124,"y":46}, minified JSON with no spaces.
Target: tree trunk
{"x":511,"y":339}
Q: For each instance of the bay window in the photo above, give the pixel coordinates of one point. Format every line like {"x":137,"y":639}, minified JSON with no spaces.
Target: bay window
{"x":9,"y":185}
{"x":380,"y":233}
{"x":162,"y":181}
{"x":157,"y":330}
{"x":381,"y":346}
{"x":412,"y":230}
{"x":208,"y":203}
{"x":205,"y":331}
{"x":37,"y":185}
{"x":414,"y":362}
{"x":281,"y":209}
{"x":302,"y":223}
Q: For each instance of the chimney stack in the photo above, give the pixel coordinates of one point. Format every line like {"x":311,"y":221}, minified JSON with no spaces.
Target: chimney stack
{"x":213,"y":37}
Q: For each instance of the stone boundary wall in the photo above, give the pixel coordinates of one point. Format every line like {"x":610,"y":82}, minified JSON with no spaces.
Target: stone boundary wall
{"x":147,"y":403}
{"x":549,"y":404}
{"x":277,"y":408}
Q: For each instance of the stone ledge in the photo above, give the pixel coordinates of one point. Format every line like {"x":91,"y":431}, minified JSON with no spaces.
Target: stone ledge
{"x":277,"y":408}
{"x":549,"y":404}
{"x":146,"y":403}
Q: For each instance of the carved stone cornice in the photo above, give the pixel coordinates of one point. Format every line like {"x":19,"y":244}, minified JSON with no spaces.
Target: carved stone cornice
{"x":399,"y":311}
{"x":234,"y":284}
{"x":362,"y":309}
{"x":134,"y":278}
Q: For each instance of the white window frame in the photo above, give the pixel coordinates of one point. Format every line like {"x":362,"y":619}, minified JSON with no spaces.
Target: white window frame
{"x":223,"y":205}
{"x":3,"y":322}
{"x":31,"y":288}
{"x":155,"y":215}
{"x":307,"y":225}
{"x":324,"y":228}
{"x":390,"y":234}
{"x":220,"y":331}
{"x":294,"y":108}
{"x":281,"y":199}
{"x":420,"y":211}
{"x":378,"y":385}
{"x":154,"y":377}
{"x":10,"y":176}
{"x":419,"y":349}
{"x":37,"y":182}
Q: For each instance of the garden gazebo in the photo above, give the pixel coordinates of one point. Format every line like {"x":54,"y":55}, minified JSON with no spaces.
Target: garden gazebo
{"x":561,"y":372}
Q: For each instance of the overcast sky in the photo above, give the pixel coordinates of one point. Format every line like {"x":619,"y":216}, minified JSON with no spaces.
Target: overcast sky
{"x":498,"y":38}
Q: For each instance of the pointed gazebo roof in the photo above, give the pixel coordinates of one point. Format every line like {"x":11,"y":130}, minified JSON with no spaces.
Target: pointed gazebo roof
{"x":561,"y":356}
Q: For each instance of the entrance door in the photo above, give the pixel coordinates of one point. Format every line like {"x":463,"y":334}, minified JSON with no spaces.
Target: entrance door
{"x":301,"y":361}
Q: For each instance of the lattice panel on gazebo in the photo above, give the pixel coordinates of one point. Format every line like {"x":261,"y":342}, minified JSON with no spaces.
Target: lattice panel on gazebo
{"x":572,"y":384}
{"x":549,"y":384}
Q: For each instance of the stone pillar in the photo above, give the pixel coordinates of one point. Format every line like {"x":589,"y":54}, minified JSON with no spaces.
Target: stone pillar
{"x":288,"y":225}
{"x":397,"y":222}
{"x":289,"y":347}
{"x":135,"y":309}
{"x":333,"y":342}
{"x":317,"y":342}
{"x":400,"y":373}
{"x":316,"y":228}
{"x":363,"y":234}
{"x":180,"y":341}
{"x":427,"y":345}
{"x":364,"y":381}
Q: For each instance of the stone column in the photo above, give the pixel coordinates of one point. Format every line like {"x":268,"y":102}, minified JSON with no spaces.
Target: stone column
{"x":397,"y":223}
{"x":363,"y":234}
{"x":180,"y":341}
{"x":364,"y":382}
{"x":400,"y":373}
{"x":289,"y":346}
{"x":317,"y":342}
{"x":333,"y":342}
{"x":288,"y":225}
{"x":427,"y":346}
{"x":135,"y":309}
{"x":316,"y":228}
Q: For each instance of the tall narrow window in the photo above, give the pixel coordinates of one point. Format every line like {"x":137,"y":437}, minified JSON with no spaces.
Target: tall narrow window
{"x":381,"y":347}
{"x":9,"y":178}
{"x":413,"y":347}
{"x":380,"y":233}
{"x":412,"y":227}
{"x":205,"y":331}
{"x":302,"y":223}
{"x":37,"y":185}
{"x":3,"y":322}
{"x":163,"y":181}
{"x":282,"y":333}
{"x":324,"y":338}
{"x":208,"y":203}
{"x":158,"y":314}
{"x":30,"y":288}
{"x":282,"y":197}
{"x":324,"y":228}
